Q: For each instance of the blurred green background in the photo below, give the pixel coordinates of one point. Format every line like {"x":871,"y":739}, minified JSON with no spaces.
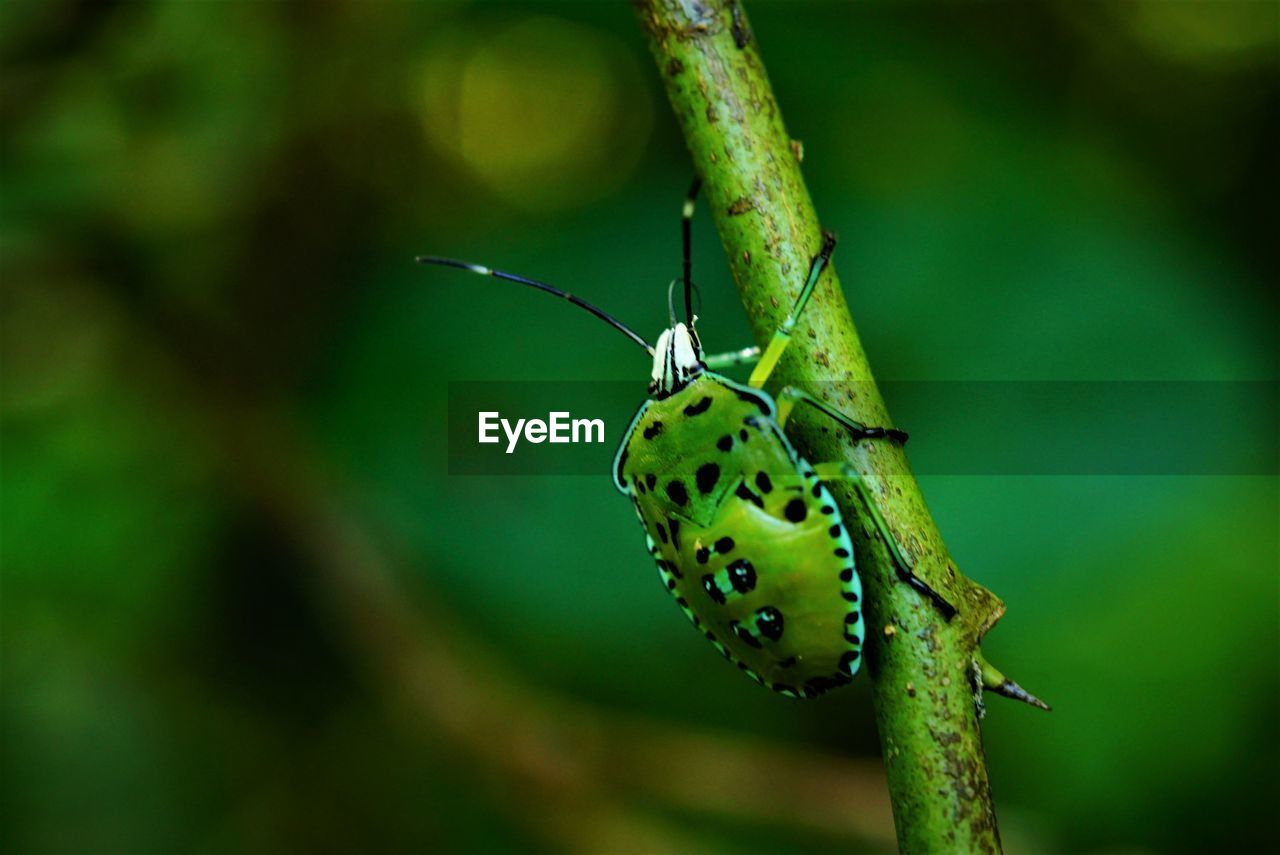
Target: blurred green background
{"x":244,"y":607}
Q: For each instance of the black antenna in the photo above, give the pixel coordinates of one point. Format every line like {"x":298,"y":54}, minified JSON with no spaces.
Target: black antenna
{"x":541,"y":286}
{"x":686,"y":231}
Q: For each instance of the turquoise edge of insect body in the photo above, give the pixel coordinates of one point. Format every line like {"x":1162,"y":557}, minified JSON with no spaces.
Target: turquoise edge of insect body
{"x":821,"y":569}
{"x":789,"y":614}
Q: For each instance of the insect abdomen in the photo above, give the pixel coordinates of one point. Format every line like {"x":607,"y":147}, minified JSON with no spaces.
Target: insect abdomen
{"x":747,"y":539}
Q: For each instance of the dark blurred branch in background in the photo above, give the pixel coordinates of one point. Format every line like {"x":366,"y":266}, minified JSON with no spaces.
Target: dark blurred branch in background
{"x":575,"y":775}
{"x":571,"y":766}
{"x":927,"y":671}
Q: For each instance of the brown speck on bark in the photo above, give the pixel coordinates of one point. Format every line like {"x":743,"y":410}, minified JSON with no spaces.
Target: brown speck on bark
{"x":740,"y":206}
{"x":746,"y":256}
{"x":675,"y":67}
{"x":797,"y":149}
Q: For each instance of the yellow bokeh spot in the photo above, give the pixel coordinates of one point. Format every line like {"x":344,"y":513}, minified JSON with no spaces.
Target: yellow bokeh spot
{"x":1203,"y":31}
{"x":545,"y":113}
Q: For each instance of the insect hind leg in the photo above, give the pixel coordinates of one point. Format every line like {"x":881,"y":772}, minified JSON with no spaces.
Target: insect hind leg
{"x":845,"y":473}
{"x":791,"y":395}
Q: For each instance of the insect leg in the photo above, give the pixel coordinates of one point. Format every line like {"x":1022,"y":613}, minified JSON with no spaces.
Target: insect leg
{"x":745,"y":356}
{"x":782,"y":337}
{"x":788,"y":397}
{"x":847,"y":474}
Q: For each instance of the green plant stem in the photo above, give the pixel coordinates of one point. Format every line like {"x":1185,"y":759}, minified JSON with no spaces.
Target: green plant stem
{"x":926,"y":672}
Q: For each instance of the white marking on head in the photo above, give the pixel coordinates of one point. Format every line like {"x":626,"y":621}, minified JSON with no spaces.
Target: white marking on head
{"x":676,"y":359}
{"x":686,"y":355}
{"x":660,"y":357}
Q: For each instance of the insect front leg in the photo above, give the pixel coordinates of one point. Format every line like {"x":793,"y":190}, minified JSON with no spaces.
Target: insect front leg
{"x":745,"y":356}
{"x":782,"y":337}
{"x":847,"y":474}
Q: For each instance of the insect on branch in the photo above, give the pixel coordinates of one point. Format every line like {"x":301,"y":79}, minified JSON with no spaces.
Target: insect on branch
{"x":922,"y":666}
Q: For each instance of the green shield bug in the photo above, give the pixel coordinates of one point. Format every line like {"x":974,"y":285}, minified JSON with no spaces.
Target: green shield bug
{"x":744,"y":532}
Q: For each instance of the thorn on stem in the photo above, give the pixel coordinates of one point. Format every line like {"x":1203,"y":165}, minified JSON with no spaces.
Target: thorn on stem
{"x":994,"y":681}
{"x":1011,"y":689}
